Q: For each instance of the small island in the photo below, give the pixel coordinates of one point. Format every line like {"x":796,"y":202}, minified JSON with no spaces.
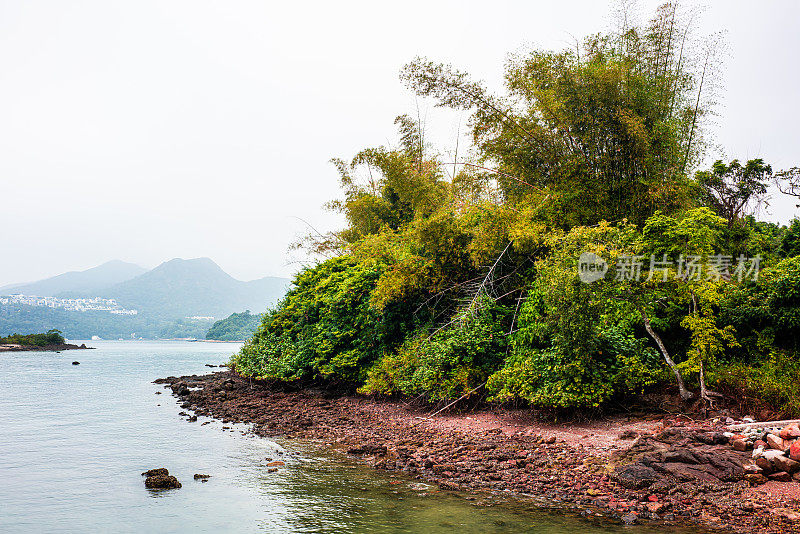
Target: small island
{"x":52,"y":340}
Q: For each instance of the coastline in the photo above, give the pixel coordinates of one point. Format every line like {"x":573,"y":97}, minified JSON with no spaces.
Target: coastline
{"x":11,"y":347}
{"x":669,"y":470}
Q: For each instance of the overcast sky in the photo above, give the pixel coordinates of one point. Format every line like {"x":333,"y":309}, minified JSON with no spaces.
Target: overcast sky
{"x":147,"y":130}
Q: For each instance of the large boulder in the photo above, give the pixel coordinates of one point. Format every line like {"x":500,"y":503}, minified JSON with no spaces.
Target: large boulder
{"x":790,"y":431}
{"x":782,"y":463}
{"x":635,"y":476}
{"x":794,"y":451}
{"x":161,"y":482}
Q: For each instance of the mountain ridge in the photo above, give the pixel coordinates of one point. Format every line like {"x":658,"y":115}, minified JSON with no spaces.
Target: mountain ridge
{"x":95,"y":278}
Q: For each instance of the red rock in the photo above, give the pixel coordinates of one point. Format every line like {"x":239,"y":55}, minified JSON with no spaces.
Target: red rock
{"x":794,"y":451}
{"x":765,"y":464}
{"x":739,"y":444}
{"x":781,"y":476}
{"x":653,"y":498}
{"x":655,"y":507}
{"x":777,"y":443}
{"x":791,"y":431}
{"x":760,"y":443}
{"x":782,"y":463}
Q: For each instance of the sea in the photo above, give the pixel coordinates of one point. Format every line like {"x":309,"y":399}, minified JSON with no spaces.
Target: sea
{"x":74,"y":440}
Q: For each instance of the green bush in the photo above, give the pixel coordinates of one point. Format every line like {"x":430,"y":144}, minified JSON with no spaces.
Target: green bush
{"x":448,"y":363}
{"x":775,"y":381}
{"x":52,"y":337}
{"x":325,"y":328}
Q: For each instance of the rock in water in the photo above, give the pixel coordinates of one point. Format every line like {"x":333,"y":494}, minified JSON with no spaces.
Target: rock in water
{"x":76,"y":363}
{"x":161,"y":482}
{"x":198,"y":476}
{"x":156,"y":472}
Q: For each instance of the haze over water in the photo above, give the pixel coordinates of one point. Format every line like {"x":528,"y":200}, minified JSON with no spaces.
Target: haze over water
{"x":75,"y":438}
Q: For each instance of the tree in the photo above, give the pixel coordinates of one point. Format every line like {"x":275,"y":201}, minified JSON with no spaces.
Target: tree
{"x":788,"y":182}
{"x":605,"y":130}
{"x":735,"y":190}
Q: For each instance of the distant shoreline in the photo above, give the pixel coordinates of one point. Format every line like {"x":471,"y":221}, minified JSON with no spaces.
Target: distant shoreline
{"x":12,"y":347}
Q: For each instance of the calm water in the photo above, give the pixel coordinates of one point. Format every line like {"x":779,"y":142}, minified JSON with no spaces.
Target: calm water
{"x":74,"y":440}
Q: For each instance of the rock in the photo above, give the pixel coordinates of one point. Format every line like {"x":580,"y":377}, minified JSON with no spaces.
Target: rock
{"x":276,"y":463}
{"x":161,"y":482}
{"x":765,"y":464}
{"x":796,"y":477}
{"x":550,"y":440}
{"x":790,"y":431}
{"x":739,"y":444}
{"x":782,"y":463}
{"x":628,"y":434}
{"x":156,"y":472}
{"x":192,"y":419}
{"x":377,"y":450}
{"x":755,"y":478}
{"x":781,"y":476}
{"x":76,"y":363}
{"x":760,"y":444}
{"x":681,"y":456}
{"x":656,"y":507}
{"x":794,"y":451}
{"x":751,"y":468}
{"x":629,"y":519}
{"x":198,"y":476}
{"x":635,"y":476}
{"x":777,"y":443}
{"x":272,"y":469}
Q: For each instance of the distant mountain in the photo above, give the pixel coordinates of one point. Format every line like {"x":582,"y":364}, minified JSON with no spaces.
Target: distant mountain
{"x":198,"y":287}
{"x":176,"y":299}
{"x":90,"y":280}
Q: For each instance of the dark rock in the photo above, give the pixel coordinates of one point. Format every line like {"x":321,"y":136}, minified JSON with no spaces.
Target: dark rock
{"x":192,"y":419}
{"x":628,"y":434}
{"x":199,"y":476}
{"x":161,"y":482}
{"x":781,"y":476}
{"x":629,"y":519}
{"x":76,"y":363}
{"x":682,"y":456}
{"x":156,"y":472}
{"x":635,"y":476}
{"x":755,"y":478}
{"x":782,"y":463}
{"x":369,"y":449}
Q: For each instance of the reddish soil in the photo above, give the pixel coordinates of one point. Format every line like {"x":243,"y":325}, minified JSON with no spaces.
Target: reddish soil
{"x":666,"y":470}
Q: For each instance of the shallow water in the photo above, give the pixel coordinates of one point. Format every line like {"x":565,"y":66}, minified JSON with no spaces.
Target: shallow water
{"x":75,"y":438}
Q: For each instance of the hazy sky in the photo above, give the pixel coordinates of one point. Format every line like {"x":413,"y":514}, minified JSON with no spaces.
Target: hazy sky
{"x":147,"y":130}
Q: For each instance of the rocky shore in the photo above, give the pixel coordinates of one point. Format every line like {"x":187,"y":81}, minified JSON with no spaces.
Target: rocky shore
{"x":13,"y":347}
{"x":667,"y":470}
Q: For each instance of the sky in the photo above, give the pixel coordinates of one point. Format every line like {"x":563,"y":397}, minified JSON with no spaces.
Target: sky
{"x":148,"y":130}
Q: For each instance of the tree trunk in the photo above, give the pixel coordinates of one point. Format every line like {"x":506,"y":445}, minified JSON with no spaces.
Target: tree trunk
{"x":684,"y":393}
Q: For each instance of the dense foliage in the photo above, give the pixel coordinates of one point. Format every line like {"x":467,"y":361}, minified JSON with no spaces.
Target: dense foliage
{"x":235,"y":327}
{"x":452,"y":280}
{"x":51,"y":337}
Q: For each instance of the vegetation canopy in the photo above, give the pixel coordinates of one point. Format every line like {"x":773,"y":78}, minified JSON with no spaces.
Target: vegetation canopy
{"x":456,"y":279}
